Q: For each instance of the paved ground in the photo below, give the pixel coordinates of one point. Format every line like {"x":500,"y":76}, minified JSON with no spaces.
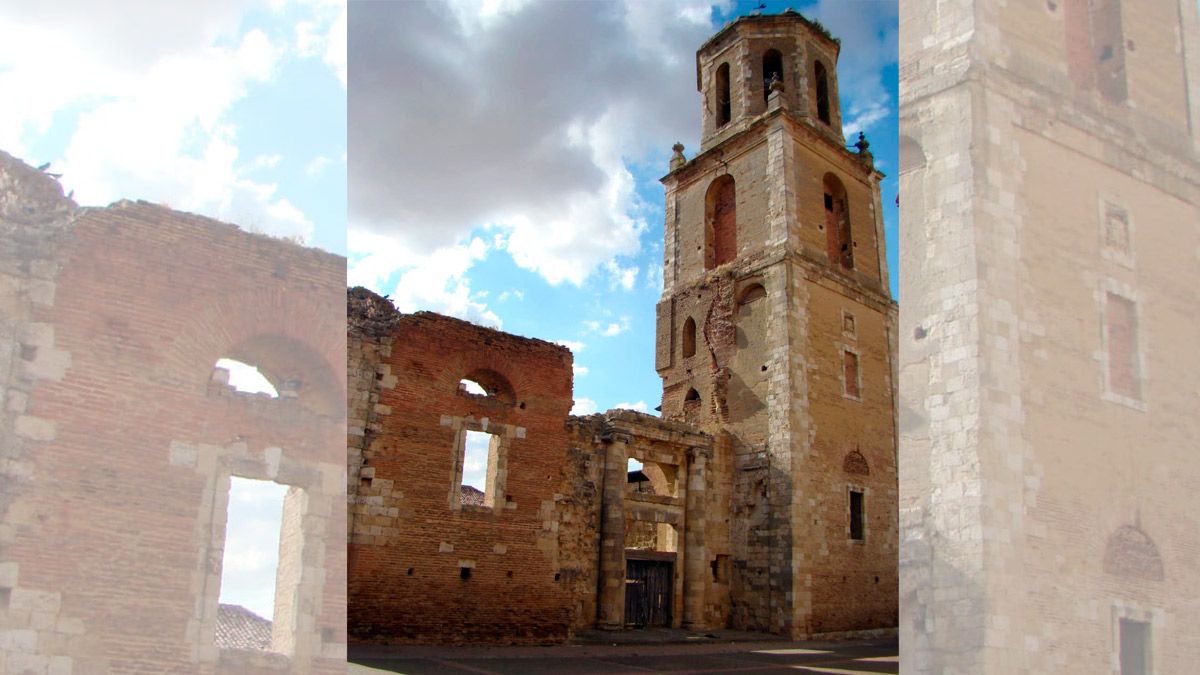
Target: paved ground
{"x":701,"y":655}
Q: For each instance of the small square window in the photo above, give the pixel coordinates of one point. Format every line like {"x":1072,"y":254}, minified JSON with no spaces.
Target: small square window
{"x":848,"y":323}
{"x":1116,"y":228}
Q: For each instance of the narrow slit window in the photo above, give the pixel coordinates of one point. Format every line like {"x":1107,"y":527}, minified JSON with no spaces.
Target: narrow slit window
{"x":689,"y":338}
{"x":850,"y":373}
{"x":1121,"y":337}
{"x":822,"y":93}
{"x":1135,"y":647}
{"x":479,"y":464}
{"x":724,"y":105}
{"x":857,"y":519}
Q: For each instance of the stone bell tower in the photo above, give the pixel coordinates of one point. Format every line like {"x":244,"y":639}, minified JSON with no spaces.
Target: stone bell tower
{"x":775,"y":333}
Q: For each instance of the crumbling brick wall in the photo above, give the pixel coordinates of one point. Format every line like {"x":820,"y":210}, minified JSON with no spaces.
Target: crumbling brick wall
{"x":423,"y":566}
{"x":118,"y":450}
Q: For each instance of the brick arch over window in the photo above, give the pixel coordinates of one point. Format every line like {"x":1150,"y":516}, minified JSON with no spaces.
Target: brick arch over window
{"x":722,"y":103}
{"x":292,"y":366}
{"x":751,"y":293}
{"x":1130,"y":552}
{"x":838,"y":234}
{"x":856,"y":464}
{"x":689,"y":338}
{"x":496,"y":385}
{"x":296,"y":341}
{"x":821,"y":79}
{"x":720,"y":222}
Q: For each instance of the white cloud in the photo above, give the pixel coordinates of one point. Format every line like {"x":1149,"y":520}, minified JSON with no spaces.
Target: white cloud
{"x":437,"y":281}
{"x":324,"y":35}
{"x":580,"y":371}
{"x":622,"y":277}
{"x":574,"y":345}
{"x":316,"y":166}
{"x":266,"y":161}
{"x":514,"y":293}
{"x":150,"y":103}
{"x":583,"y":406}
{"x":537,"y":148}
{"x":868,"y":33}
{"x":613,"y":329}
{"x":609,"y":329}
{"x":654,"y":277}
{"x":640,"y":406}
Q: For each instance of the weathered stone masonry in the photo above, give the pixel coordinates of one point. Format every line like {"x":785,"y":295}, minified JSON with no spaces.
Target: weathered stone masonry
{"x":766,"y":498}
{"x":117,"y":445}
{"x":1050,"y":185}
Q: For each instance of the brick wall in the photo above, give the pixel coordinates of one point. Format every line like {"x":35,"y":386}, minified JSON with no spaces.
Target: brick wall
{"x":123,"y":448}
{"x":411,"y":538}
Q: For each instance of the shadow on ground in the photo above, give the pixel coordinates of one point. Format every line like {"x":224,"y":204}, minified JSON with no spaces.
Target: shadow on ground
{"x":638,"y":652}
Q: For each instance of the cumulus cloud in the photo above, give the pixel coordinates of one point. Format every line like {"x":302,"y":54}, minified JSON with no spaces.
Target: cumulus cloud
{"x":868,"y":33}
{"x":457,"y":123}
{"x":621,"y":277}
{"x":150,"y":102}
{"x":583,"y":406}
{"x":435,"y":281}
{"x":608,"y":328}
{"x":580,"y":371}
{"x":640,"y":406}
{"x":574,"y":345}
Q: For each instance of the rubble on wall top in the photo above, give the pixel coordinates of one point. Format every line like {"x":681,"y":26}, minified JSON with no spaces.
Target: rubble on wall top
{"x":29,"y":194}
{"x":369,"y":313}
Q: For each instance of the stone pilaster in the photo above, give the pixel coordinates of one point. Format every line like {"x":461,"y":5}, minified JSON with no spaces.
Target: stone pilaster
{"x":612,"y":536}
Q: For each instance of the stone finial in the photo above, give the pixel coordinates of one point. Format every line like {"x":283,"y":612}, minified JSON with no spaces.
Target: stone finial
{"x":775,"y":84}
{"x":864,"y":155}
{"x":677,"y":159}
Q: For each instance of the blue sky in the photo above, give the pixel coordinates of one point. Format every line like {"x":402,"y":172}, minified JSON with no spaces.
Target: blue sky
{"x":232,"y":109}
{"x":505,"y":159}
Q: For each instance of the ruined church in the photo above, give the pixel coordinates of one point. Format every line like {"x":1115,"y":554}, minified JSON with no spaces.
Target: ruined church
{"x":766,"y":498}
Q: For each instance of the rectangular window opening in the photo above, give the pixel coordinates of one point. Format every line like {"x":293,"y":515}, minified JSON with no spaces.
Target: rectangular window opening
{"x":1121,"y":329}
{"x":260,"y":566}
{"x":857,"y":522}
{"x":1135,"y":647}
{"x":479,"y":463}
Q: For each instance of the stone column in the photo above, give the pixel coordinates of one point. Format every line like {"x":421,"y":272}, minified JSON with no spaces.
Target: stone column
{"x":695,"y":561}
{"x":612,"y":536}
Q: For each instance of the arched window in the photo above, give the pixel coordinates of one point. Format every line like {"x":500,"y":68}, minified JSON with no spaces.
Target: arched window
{"x":772,"y":65}
{"x":751,"y":293}
{"x":689,"y":337}
{"x":837,"y":223}
{"x":822,"y":93}
{"x":724,"y":107}
{"x":720,"y":222}
{"x":692,"y":395}
{"x":488,"y":383}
